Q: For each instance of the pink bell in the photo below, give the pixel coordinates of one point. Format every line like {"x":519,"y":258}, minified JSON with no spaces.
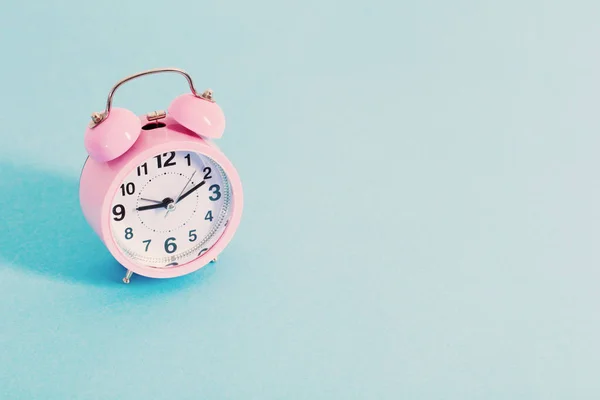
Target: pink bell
{"x":113,"y":136}
{"x":200,"y":115}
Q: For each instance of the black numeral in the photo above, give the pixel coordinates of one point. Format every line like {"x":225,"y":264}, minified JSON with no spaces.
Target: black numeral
{"x":128,"y":233}
{"x":170,"y":246}
{"x":119,"y":212}
{"x":128,"y":189}
{"x":147,"y":243}
{"x":207,"y":175}
{"x":168,"y":163}
{"x":189,"y":160}
{"x":192,"y":235}
{"x":143,"y":167}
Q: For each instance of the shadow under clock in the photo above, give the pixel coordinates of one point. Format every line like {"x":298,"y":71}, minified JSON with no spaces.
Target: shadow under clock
{"x":43,"y":231}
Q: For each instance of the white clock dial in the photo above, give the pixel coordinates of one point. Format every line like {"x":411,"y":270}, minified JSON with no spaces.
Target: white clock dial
{"x":171,"y":209}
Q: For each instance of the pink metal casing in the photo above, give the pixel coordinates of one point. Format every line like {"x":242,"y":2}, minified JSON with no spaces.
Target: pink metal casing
{"x":114,"y":136}
{"x":100,"y":181}
{"x":201,"y":116}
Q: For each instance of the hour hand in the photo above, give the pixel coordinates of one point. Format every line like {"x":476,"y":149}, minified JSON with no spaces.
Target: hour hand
{"x":192,"y":190}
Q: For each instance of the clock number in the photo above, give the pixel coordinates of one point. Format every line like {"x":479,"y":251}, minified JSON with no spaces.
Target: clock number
{"x":168,"y":163}
{"x":209,"y":216}
{"x":170,"y":246}
{"x":128,"y":233}
{"x":189,"y":160}
{"x":207,"y":176}
{"x":193,"y":235}
{"x":147,"y":243}
{"x":128,"y":189}
{"x":144,"y":167}
{"x":216,"y":191}
{"x":119,"y":212}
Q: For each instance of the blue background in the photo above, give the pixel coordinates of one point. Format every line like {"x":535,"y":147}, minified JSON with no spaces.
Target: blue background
{"x":421,"y":190}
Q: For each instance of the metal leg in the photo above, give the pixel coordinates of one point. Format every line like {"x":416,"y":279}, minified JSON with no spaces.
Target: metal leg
{"x":127,"y":276}
{"x":214,"y":260}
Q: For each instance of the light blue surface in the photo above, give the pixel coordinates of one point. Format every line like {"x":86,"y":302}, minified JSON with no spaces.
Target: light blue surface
{"x":422,"y":202}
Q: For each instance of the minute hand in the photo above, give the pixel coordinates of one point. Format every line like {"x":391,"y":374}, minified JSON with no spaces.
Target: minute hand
{"x":152,"y":206}
{"x":192,"y":190}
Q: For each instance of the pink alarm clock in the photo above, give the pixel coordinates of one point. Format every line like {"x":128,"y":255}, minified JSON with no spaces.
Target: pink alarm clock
{"x":155,"y":188}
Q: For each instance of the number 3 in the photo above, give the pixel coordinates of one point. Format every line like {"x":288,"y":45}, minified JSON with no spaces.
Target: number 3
{"x":216,"y":191}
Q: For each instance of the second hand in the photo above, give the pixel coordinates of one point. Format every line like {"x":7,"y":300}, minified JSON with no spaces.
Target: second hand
{"x":154,"y":201}
{"x":186,"y":184}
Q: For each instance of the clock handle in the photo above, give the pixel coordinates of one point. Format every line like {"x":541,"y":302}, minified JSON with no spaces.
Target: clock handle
{"x":98,"y":118}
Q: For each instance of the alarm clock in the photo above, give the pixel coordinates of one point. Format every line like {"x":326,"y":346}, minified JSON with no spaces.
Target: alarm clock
{"x":156,"y":189}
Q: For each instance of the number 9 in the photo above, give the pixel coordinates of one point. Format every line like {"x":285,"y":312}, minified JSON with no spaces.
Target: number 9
{"x":119,"y":212}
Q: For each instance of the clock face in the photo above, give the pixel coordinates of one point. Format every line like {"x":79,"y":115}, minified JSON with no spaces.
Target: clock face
{"x":171,"y":209}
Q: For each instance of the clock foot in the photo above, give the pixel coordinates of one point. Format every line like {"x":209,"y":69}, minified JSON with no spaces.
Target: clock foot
{"x":214,"y":260}
{"x":127,"y":276}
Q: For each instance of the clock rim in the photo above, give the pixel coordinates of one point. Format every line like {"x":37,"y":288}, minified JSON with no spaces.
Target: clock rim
{"x":195,"y":145}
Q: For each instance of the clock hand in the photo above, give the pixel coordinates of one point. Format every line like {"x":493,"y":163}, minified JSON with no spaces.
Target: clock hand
{"x":178,"y":197}
{"x":192,"y":190}
{"x":150,"y":207}
{"x":187,"y":183}
{"x":162,"y":204}
{"x":154,"y":201}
